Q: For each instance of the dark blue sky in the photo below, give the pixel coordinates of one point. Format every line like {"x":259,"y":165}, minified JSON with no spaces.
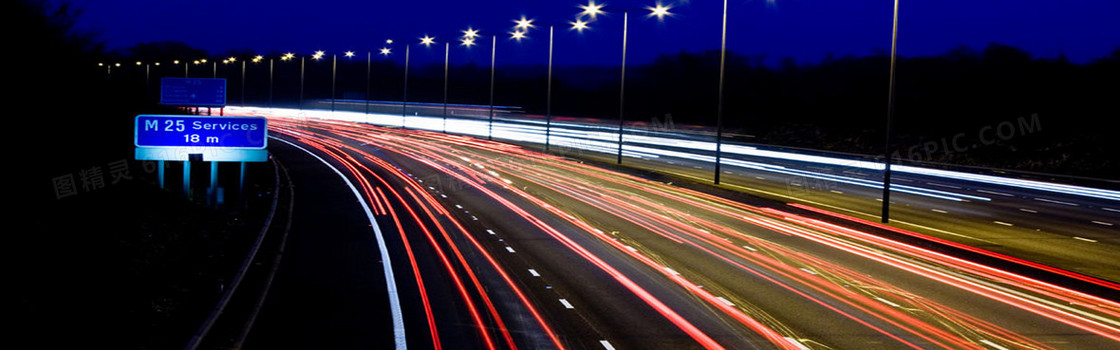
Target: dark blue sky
{"x":804,"y":29}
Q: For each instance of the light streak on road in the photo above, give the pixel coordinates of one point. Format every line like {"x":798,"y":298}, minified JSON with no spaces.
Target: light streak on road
{"x":725,"y":232}
{"x":599,"y":139}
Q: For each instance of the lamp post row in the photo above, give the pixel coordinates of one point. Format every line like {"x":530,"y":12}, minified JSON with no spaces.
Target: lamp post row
{"x":590,"y":11}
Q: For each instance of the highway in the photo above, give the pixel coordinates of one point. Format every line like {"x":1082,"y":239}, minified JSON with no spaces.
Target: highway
{"x":534,"y":250}
{"x":1070,"y":227}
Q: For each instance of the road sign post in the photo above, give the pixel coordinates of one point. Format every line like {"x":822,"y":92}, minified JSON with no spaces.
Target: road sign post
{"x":189,"y":138}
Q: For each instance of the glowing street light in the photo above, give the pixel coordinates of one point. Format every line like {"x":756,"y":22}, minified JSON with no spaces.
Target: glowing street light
{"x":385,"y":51}
{"x":427,"y":41}
{"x":579,"y":25}
{"x":660,"y":11}
{"x":523,"y":24}
{"x":591,"y":10}
{"x":470,"y":33}
{"x":349,"y":54}
{"x":517,"y":35}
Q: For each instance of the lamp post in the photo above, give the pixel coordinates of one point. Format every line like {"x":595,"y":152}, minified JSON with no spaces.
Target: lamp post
{"x":270,"y":69}
{"x":385,"y":51}
{"x":334,"y":76}
{"x":660,"y":11}
{"x":890,"y":116}
{"x":286,"y":57}
{"x":466,"y":40}
{"x":493,"y":55}
{"x":446,"y":56}
{"x":520,"y":31}
{"x":622,"y":86}
{"x":369,"y":66}
{"x":719,"y":105}
{"x":404,"y":99}
{"x":302,"y":73}
{"x":242,"y":83}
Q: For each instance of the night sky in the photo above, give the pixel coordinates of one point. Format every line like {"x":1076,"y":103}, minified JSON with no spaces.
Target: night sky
{"x":806,"y":30}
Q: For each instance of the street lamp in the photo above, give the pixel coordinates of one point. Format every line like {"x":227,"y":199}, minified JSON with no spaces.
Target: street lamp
{"x":427,"y":41}
{"x":317,"y":55}
{"x":490,"y":115}
{"x":334,"y":76}
{"x":243,"y":83}
{"x":591,"y":11}
{"x":890,"y":115}
{"x":520,"y":31}
{"x":660,"y":11}
{"x":466,"y":40}
{"x":283,"y":58}
{"x":369,"y":67}
{"x":404,"y":99}
{"x":302,"y":74}
{"x":719,"y":106}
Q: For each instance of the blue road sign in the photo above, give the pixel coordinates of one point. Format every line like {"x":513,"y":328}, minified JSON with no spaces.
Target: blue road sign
{"x":196,"y":131}
{"x":193,"y":92}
